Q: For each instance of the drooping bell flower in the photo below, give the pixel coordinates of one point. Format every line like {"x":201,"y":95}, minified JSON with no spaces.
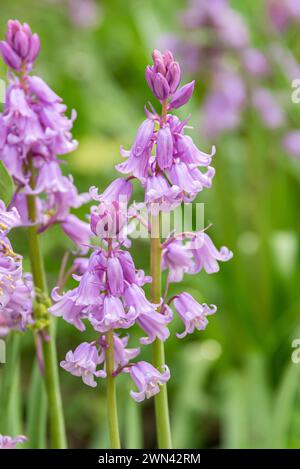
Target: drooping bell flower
{"x":112,"y":314}
{"x":66,"y":308}
{"x":193,"y":314}
{"x":206,"y":255}
{"x":119,"y":189}
{"x":115,"y":277}
{"x":135,"y":297}
{"x":147,"y":379}
{"x":83,"y":362}
{"x":78,"y":231}
{"x":160,"y":195}
{"x":178,"y":258}
{"x":155,"y":326}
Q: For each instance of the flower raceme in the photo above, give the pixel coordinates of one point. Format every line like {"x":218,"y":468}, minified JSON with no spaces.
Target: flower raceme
{"x":163,"y":157}
{"x":21,"y":47}
{"x":34,"y":131}
{"x":109,"y":294}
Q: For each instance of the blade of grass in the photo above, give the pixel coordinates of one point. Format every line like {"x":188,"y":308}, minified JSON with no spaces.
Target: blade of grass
{"x":36,"y":411}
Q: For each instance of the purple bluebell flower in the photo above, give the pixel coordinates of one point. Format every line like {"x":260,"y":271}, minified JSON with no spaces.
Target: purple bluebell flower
{"x":183,"y":176}
{"x":135,"y":298}
{"x":193,"y":314}
{"x":160,"y":196}
{"x":66,"y":307}
{"x":119,"y":189}
{"x":9,"y":442}
{"x":78,"y":231}
{"x":50,"y":179}
{"x":190,"y":154}
{"x":206,"y":255}
{"x":128,"y":267}
{"x":143,"y":138}
{"x":155,"y":325}
{"x":115,"y":277}
{"x":83,"y":362}
{"x":147,"y":379}
{"x":140,"y":153}
{"x":178,"y":258}
{"x":111,"y":314}
{"x":90,"y":285}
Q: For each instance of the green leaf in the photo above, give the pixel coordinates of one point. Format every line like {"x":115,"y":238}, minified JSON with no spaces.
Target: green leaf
{"x":6,"y":185}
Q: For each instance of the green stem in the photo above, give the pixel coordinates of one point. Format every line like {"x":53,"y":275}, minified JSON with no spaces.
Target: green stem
{"x":57,"y":427}
{"x":112,"y":413}
{"x":161,"y":399}
{"x":36,"y":411}
{"x":10,"y":421}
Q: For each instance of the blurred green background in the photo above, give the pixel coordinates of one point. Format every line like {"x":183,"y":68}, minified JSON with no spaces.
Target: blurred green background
{"x":233,"y":385}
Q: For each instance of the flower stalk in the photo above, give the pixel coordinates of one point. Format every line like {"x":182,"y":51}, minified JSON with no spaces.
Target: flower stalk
{"x":161,"y":399}
{"x":112,"y":412}
{"x":57,"y":426}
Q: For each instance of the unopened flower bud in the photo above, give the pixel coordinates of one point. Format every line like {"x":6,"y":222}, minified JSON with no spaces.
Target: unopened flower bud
{"x":161,"y":87}
{"x":182,"y":96}
{"x":173,"y":76}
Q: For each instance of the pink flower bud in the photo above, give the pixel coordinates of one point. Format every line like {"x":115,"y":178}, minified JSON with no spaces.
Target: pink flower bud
{"x":182,"y":96}
{"x":158,"y":60}
{"x":21,"y":46}
{"x":11,"y":59}
{"x":164,"y":148}
{"x":149,"y":75}
{"x":161,"y":87}
{"x":173,"y":76}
